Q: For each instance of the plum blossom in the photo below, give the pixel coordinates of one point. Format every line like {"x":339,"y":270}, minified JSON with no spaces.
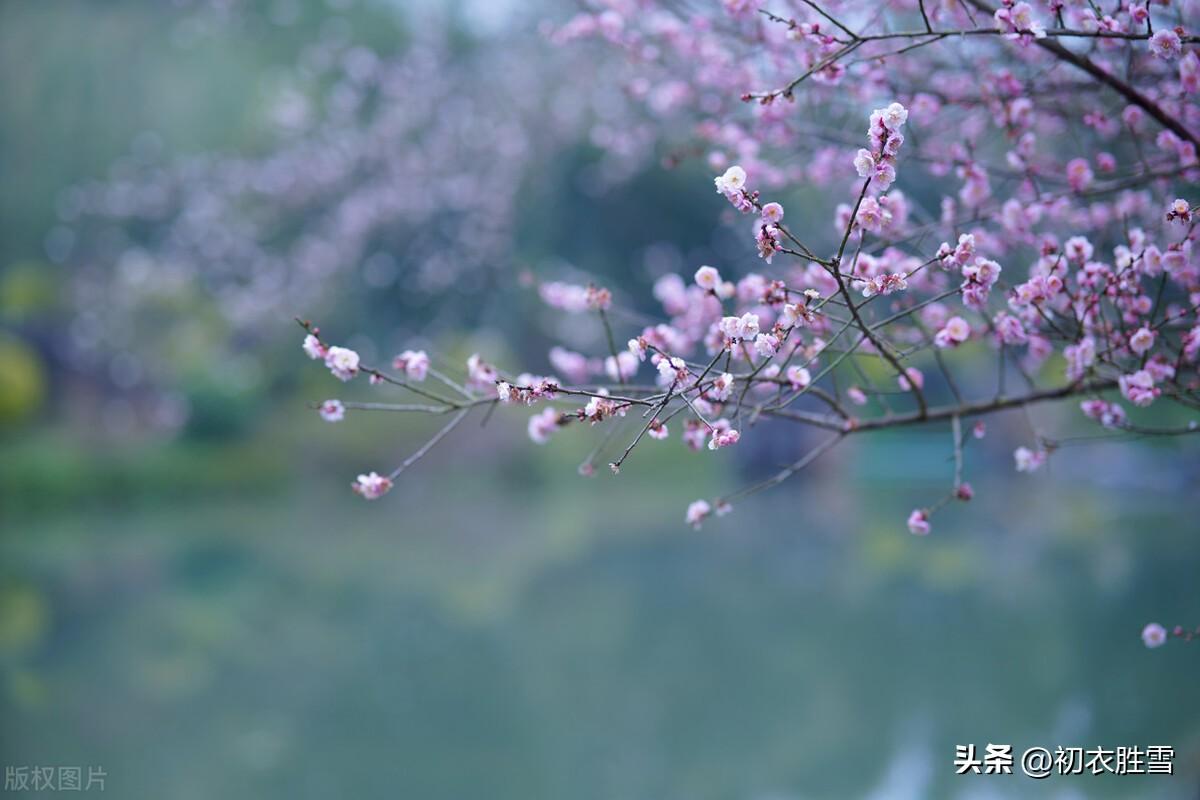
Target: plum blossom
{"x":332,"y":411}
{"x":883,"y":284}
{"x":1080,"y":357}
{"x":1009,"y":329}
{"x":978,"y":279}
{"x":313,"y":347}
{"x":1078,"y":249}
{"x":1191,"y":344}
{"x":672,"y":369}
{"x":697,"y":512}
{"x":637,"y":347}
{"x":542,"y":424}
{"x":864,"y":164}
{"x":1110,"y":415}
{"x":894,"y":117}
{"x":1028,"y":460}
{"x":414,"y":364}
{"x":722,"y":386}
{"x":885,"y":137}
{"x":1154,"y":635}
{"x":798,"y":378}
{"x":600,"y":408}
{"x":1165,"y":44}
{"x":1138,"y":387}
{"x":723,"y":435}
{"x":733,"y":181}
{"x":564,"y":296}
{"x":622,"y":366}
{"x":953,"y":333}
{"x":766,"y":344}
{"x":480,"y":374}
{"x":1018,"y":21}
{"x":1079,"y":174}
{"x":1180,"y":211}
{"x":372,"y":486}
{"x":960,"y":254}
{"x":737,"y":329}
{"x":1189,"y":73}
{"x":342,"y":362}
{"x":1142,"y":340}
{"x":767,"y":240}
{"x":1096,"y":273}
{"x":598,"y":298}
{"x":911,"y":377}
{"x":708,"y":278}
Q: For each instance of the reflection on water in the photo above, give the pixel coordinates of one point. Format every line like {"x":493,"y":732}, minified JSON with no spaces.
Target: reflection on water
{"x":464,"y":647}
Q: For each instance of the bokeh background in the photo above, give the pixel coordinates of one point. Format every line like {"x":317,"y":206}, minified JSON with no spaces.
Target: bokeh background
{"x":192,"y":598}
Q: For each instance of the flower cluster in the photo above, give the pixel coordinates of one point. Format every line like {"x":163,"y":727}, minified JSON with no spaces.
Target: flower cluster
{"x":885,"y":137}
{"x":850,"y":320}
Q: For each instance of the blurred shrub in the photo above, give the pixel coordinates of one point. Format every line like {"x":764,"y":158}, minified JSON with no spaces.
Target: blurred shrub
{"x":27,"y":291}
{"x":22,"y":381}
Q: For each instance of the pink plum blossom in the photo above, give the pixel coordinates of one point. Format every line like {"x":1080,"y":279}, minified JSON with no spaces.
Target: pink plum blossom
{"x":332,"y":411}
{"x":372,"y":485}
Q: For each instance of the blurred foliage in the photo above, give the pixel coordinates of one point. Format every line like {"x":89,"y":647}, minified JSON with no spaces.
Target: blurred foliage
{"x":22,"y":381}
{"x":28,"y":290}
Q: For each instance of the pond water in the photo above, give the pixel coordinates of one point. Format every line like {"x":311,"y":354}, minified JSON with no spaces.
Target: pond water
{"x":521,"y":638}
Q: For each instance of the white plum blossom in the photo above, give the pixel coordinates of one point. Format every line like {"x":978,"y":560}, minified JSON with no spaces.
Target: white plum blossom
{"x":894,"y":117}
{"x":332,"y":411}
{"x":637,"y":347}
{"x":672,"y":369}
{"x":708,"y":278}
{"x":372,"y":486}
{"x":313,"y":347}
{"x":864,"y":164}
{"x":342,"y":362}
{"x":740,"y":328}
{"x":732,"y":181}
{"x":1154,"y":635}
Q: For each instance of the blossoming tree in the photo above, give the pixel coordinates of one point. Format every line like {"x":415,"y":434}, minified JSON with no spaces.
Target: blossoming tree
{"x":1025,"y":181}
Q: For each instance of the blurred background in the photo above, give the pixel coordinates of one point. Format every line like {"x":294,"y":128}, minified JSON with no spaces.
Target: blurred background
{"x":192,"y":599}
